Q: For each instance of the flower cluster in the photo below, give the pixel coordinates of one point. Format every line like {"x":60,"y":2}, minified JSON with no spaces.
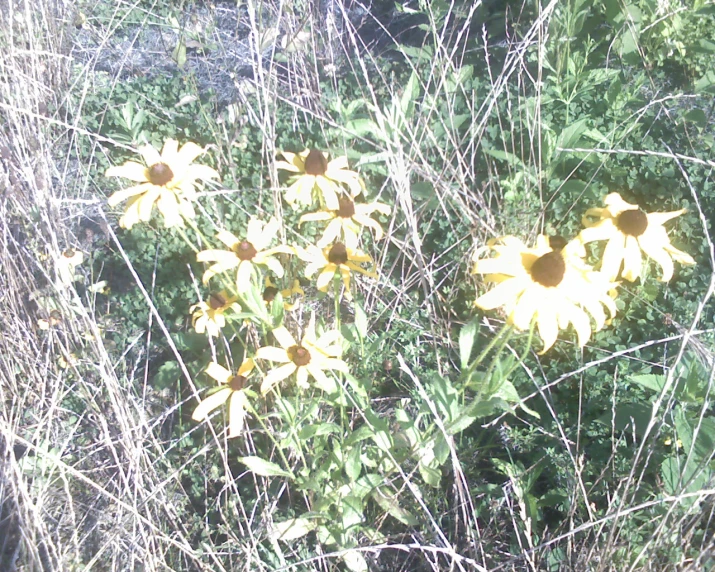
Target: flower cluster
{"x":551,"y":285}
{"x":252,"y":261}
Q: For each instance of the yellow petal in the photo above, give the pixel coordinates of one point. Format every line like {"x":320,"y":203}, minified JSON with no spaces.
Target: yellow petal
{"x":276,"y":376}
{"x":210,"y":403}
{"x":632,"y":259}
{"x":613,"y":256}
{"x":218,"y":372}
{"x":236,"y":413}
{"x":273,"y":354}
{"x":129,"y":170}
{"x":284,"y":337}
{"x":506,"y":292}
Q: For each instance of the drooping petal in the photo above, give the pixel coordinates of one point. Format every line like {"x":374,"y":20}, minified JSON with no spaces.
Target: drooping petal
{"x":210,"y":403}
{"x":124,"y":194}
{"x":170,"y":149}
{"x":632,"y":259}
{"x":548,"y":327}
{"x":528,"y":304}
{"x":322,"y":381}
{"x":169,"y":207}
{"x":613,"y":256}
{"x":502,"y":294}
{"x":301,"y":378}
{"x":277,"y":375}
{"x":324,"y":277}
{"x":332,"y":232}
{"x":657,"y":253}
{"x":327,"y":187}
{"x":236,"y":413}
{"x":243,"y":276}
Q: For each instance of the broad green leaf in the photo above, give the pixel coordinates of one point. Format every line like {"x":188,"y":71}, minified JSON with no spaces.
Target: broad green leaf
{"x":410,"y":95}
{"x":264,"y":468}
{"x":467,"y":335}
{"x":353,"y":466}
{"x":317,"y":429}
{"x":354,"y":561}
{"x":431,"y":476}
{"x":652,"y":381}
{"x":352,"y":511}
{"x":360,"y":320}
{"x":293,"y":528}
{"x":179,"y":53}
{"x":390,"y":505}
{"x":629,"y":416}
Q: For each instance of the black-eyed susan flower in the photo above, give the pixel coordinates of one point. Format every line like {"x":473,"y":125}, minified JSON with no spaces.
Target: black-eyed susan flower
{"x":313,"y":170}
{"x":311,"y":357}
{"x":347,"y":219}
{"x":629,"y":231}
{"x":167,"y":181}
{"x":246,"y":254}
{"x":332,"y":259}
{"x":551,"y":286}
{"x":233,"y":390}
{"x":66,"y":264}
{"x":209,"y":316}
{"x":289,"y":303}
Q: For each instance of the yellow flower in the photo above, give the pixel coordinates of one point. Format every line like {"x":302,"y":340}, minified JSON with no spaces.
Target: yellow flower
{"x":314,"y":170}
{"x":66,"y":264}
{"x":270,"y":291}
{"x":548,"y":284}
{"x":331,"y":259}
{"x":348,"y":218}
{"x":208,"y":316}
{"x":245,"y":254}
{"x":629,"y":231}
{"x":309,"y":357}
{"x":233,"y":388}
{"x":167,"y":180}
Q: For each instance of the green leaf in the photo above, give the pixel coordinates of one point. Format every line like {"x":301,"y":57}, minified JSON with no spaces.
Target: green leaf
{"x":467,"y":335}
{"x":410,"y":95}
{"x":293,"y":528}
{"x":628,"y":417}
{"x":360,"y":320}
{"x":179,"y":53}
{"x":652,"y":381}
{"x":352,"y":511}
{"x":317,"y":429}
{"x":430,"y":475}
{"x":696,"y":116}
{"x":355,"y":561}
{"x":264,"y":468}
{"x":706,"y":83}
{"x":353,"y":466}
{"x":390,"y":505}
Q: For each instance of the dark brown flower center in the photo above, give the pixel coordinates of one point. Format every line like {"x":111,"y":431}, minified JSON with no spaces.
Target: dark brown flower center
{"x":299,"y":355}
{"x":237,"y":383}
{"x":549,"y":269}
{"x":269,"y":294}
{"x":216,"y":301}
{"x":338,"y":254}
{"x":633,"y":222}
{"x":160,"y":174}
{"x":316,"y":163}
{"x":557,"y":242}
{"x":69,"y":253}
{"x":346,"y":208}
{"x":245,"y":250}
